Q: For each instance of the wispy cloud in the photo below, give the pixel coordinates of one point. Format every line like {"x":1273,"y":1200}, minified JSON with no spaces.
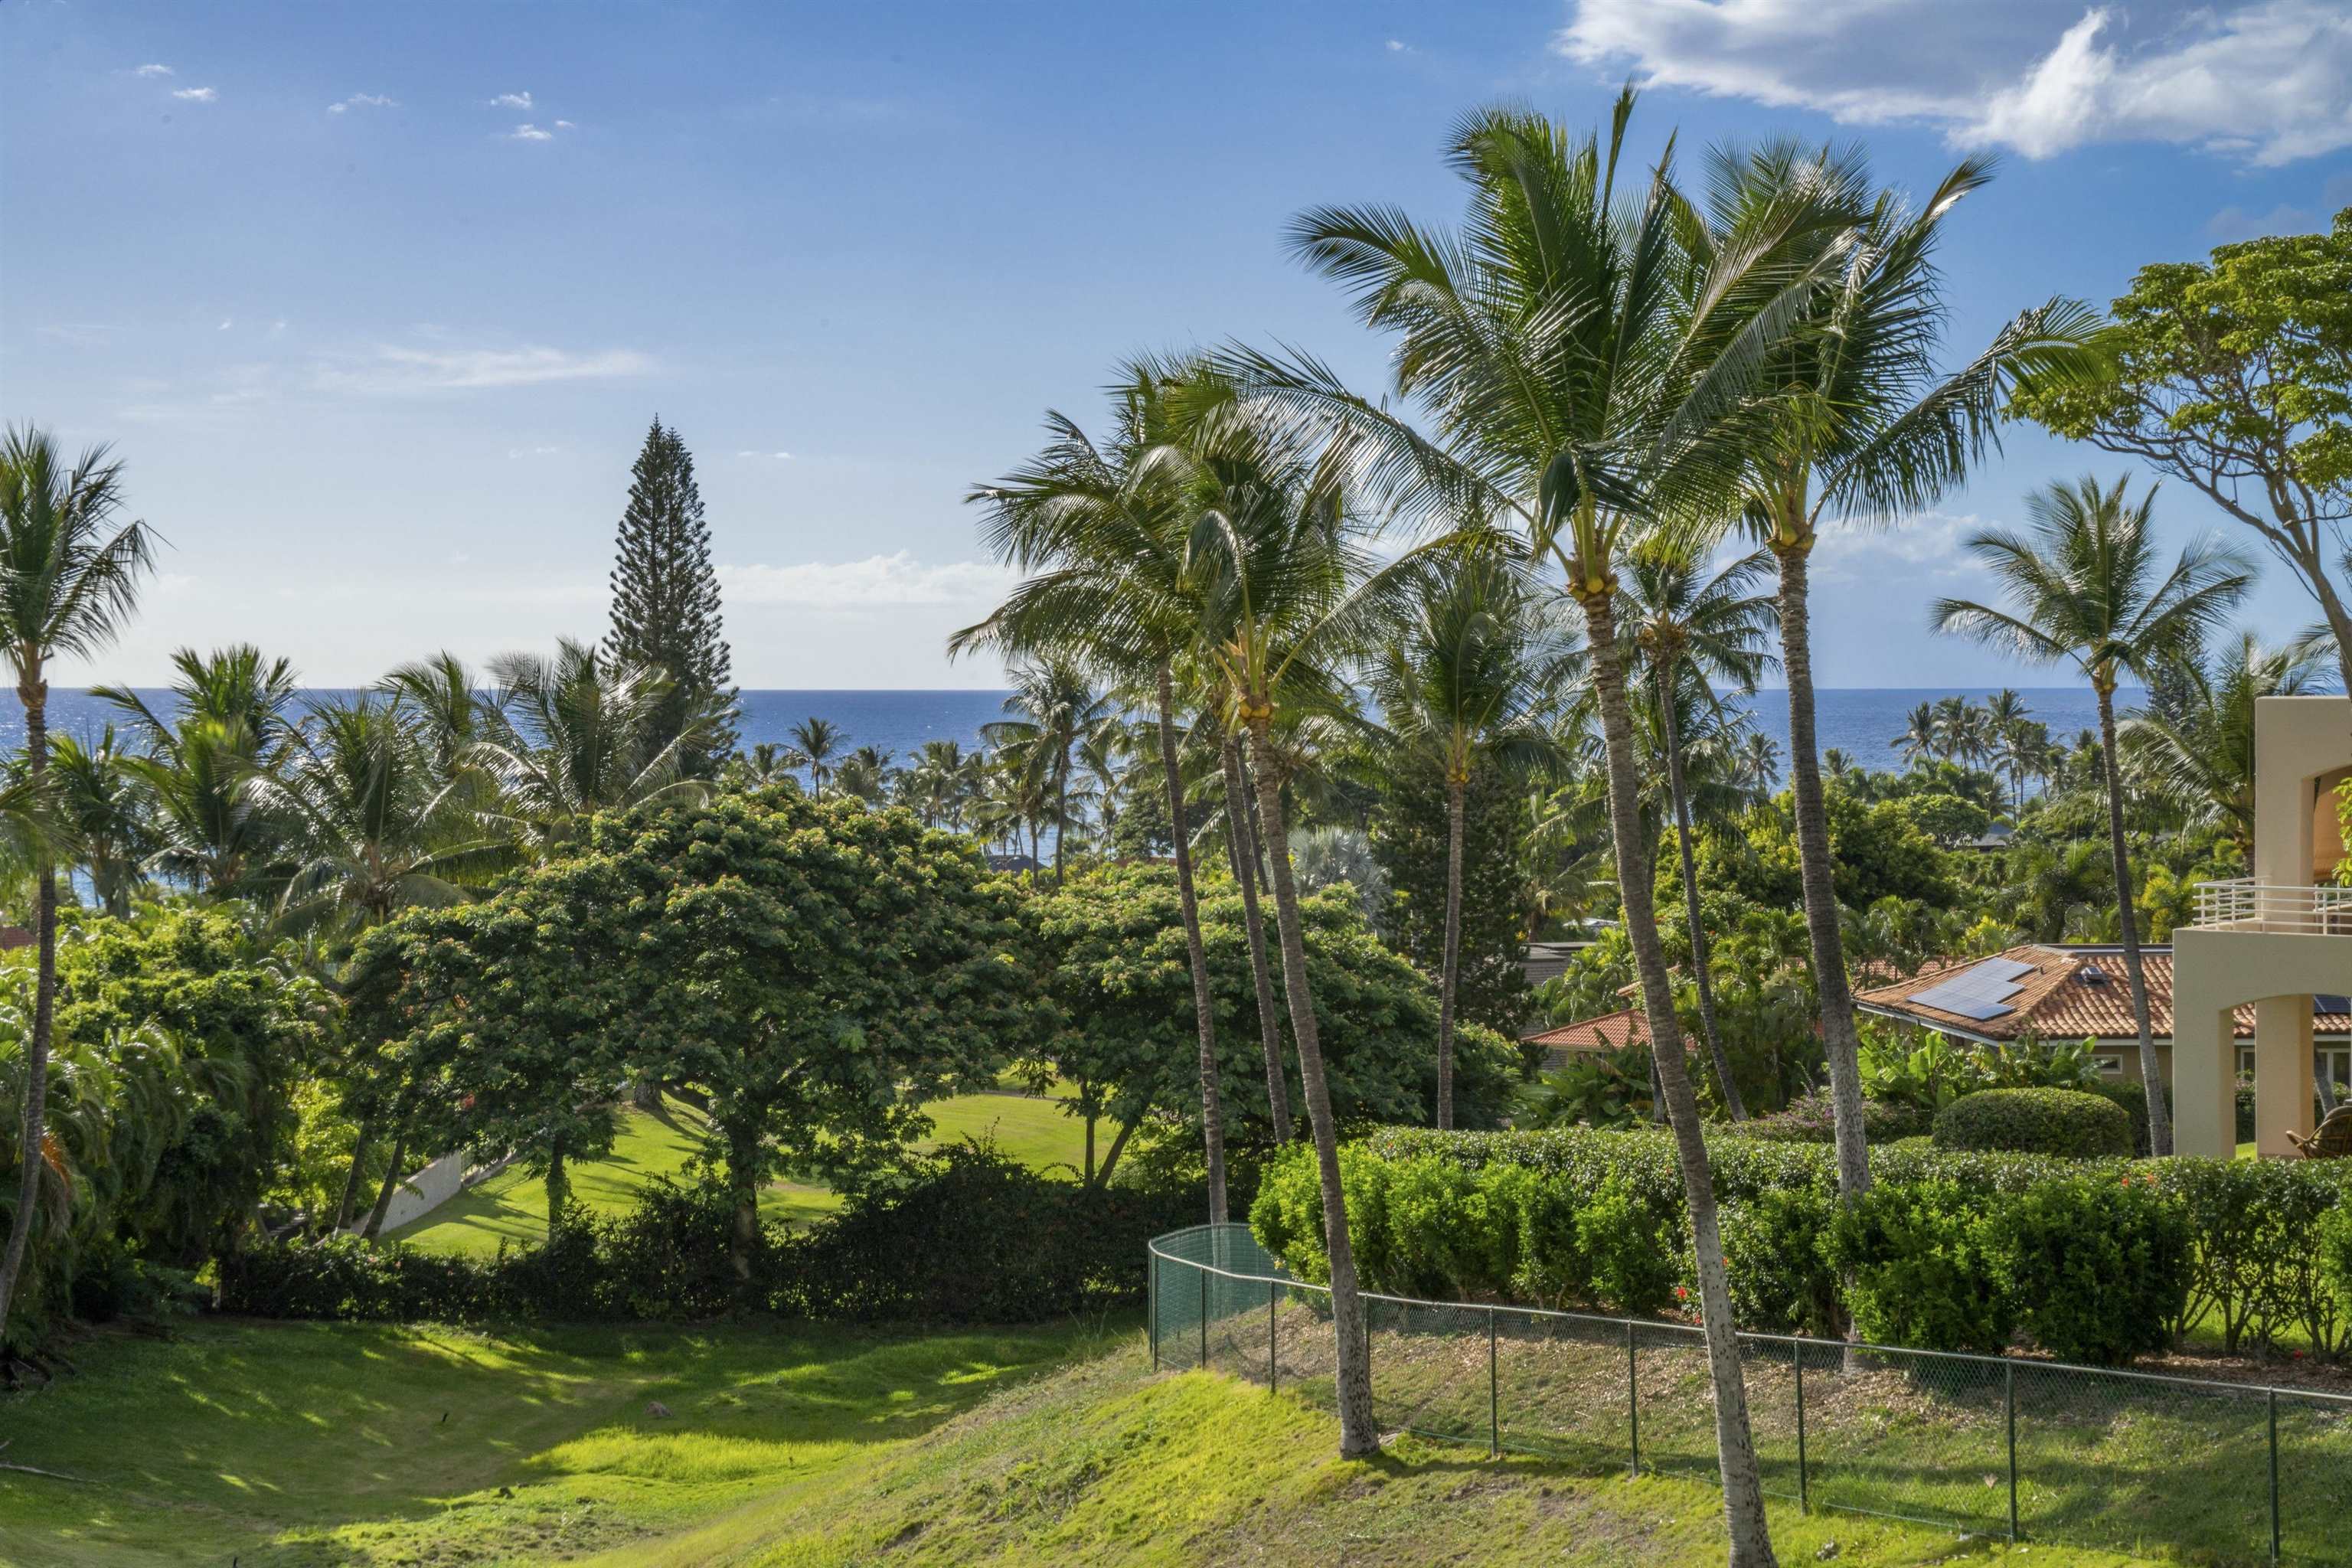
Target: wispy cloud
{"x":152,"y":71}
{"x":1932,"y":540}
{"x":783,"y":456}
{"x":893,"y":581}
{"x":227,"y":323}
{"x":528,"y":132}
{"x":2266,"y":80}
{"x":511,"y":101}
{"x":395,"y":369}
{"x":195,"y":94}
{"x":533,"y":451}
{"x":565,"y":125}
{"x":1399,"y":47}
{"x":2234,"y":222}
{"x":363,"y":101}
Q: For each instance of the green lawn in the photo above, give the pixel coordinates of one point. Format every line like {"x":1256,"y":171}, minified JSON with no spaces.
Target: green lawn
{"x":284,"y":1444}
{"x":512,"y":1206}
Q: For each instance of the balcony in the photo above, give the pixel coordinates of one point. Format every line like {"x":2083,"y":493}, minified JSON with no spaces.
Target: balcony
{"x":2244,"y":904}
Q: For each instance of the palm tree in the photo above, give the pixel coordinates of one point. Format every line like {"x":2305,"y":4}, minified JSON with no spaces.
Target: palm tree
{"x":2084,"y":587}
{"x":1756,"y":764}
{"x":818,"y":740}
{"x":570,"y":736}
{"x":1862,"y":428}
{"x":1054,"y":708}
{"x":2202,"y":755}
{"x":1465,"y":679}
{"x":1103,"y":528}
{"x":1920,"y":739}
{"x":1278,"y":553}
{"x":379,"y":829}
{"x":1693,"y":631}
{"x":69,"y":579}
{"x":100,"y":800}
{"x":1584,"y":365}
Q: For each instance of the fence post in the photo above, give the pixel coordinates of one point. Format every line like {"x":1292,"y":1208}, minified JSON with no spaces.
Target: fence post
{"x":1203,"y":1274}
{"x":1151,"y":1302}
{"x":1804,"y":1486}
{"x":1273,"y":1367}
{"x":1494,"y":1394}
{"x":2275,"y":1484}
{"x":2009,"y":1397}
{"x":1632,"y":1401}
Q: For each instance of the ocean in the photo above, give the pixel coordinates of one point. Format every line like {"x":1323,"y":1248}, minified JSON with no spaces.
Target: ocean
{"x":1863,"y":722}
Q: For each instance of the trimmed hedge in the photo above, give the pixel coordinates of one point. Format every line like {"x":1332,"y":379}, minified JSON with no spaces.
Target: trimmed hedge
{"x":1810,"y":1119}
{"x":967,"y":1236}
{"x":2096,"y":1260}
{"x":2067,"y":1122}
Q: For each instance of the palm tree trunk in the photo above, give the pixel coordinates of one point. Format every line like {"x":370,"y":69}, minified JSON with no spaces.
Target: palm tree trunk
{"x":383,"y":1193}
{"x":1724,"y":1083}
{"x":1212,"y":1114}
{"x":1450,"y":961}
{"x":1061,"y":814}
{"x":1243,"y":841}
{"x":34,"y":692}
{"x":1841,"y":1043}
{"x":1743,"y":1489}
{"x":1359,"y":1432}
{"x":2159,"y":1125}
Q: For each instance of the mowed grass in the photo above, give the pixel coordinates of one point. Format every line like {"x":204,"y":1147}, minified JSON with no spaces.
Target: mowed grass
{"x":655,"y":1145}
{"x":310,"y":1445}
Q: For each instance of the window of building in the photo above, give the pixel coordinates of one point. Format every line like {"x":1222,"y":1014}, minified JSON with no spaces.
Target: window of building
{"x":2110,"y":1066}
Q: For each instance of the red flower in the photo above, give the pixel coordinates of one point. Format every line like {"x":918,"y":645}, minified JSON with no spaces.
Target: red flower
{"x":1682,"y":1292}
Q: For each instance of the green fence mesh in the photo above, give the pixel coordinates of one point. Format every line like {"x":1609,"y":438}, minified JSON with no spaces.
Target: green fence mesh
{"x":2011,"y":1448}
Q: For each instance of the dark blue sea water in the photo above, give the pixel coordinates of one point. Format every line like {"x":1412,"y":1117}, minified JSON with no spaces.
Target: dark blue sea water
{"x":1864,"y":723}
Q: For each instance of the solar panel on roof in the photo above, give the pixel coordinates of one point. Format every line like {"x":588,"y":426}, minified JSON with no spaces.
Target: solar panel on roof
{"x":1983,"y":992}
{"x":2331,"y":1003}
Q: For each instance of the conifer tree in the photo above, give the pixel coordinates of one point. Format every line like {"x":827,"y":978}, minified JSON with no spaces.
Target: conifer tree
{"x":666,"y":595}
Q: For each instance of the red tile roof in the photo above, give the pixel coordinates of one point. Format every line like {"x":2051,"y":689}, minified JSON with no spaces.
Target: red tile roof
{"x":1609,"y":1032}
{"x":2072,"y":992}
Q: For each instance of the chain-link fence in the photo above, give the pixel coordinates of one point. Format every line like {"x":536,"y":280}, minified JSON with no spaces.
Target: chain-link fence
{"x":2125,"y":1461}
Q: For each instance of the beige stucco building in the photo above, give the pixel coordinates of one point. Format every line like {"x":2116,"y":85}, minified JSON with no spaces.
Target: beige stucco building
{"x":2275,"y":940}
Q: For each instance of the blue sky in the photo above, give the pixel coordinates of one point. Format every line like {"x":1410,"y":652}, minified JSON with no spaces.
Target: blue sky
{"x":376,"y":302}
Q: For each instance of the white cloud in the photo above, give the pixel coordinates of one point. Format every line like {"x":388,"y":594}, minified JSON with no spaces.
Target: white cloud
{"x":1399,"y":47}
{"x":528,"y":132}
{"x":893,"y":581}
{"x":1933,"y":540}
{"x":511,"y":101}
{"x":781,"y":456}
{"x":227,"y":323}
{"x":152,"y":71}
{"x":195,"y":94}
{"x":532,"y":452}
{"x":2269,"y":81}
{"x":393,"y":368}
{"x":363,"y":101}
{"x":565,"y":125}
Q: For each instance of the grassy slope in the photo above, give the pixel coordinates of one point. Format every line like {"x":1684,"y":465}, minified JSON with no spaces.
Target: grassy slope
{"x":512,"y":1206}
{"x":302,"y":1444}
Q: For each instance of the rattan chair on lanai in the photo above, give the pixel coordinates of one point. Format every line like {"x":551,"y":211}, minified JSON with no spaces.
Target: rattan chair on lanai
{"x":2333,"y":1140}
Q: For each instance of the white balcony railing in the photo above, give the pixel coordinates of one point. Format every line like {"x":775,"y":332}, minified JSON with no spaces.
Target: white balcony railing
{"x":2249,"y":905}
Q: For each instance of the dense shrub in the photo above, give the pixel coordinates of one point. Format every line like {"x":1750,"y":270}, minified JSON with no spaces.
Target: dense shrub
{"x":1920,"y":1272}
{"x":2097,"y":1265}
{"x":2061,"y":1121}
{"x":2059,"y":1247}
{"x":1808,"y":1119}
{"x":2134,"y":1100}
{"x":967,"y":1236}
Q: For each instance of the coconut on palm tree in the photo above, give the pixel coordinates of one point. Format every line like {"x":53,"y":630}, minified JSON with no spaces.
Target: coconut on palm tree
{"x":2085,"y":586}
{"x":70,"y":576}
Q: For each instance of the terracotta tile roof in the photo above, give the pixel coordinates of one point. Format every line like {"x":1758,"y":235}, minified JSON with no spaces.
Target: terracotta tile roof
{"x":2072,"y":991}
{"x":1609,"y":1032}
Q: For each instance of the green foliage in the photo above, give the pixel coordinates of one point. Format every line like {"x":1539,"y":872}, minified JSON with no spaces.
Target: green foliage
{"x":1919,"y":1269}
{"x":1109,"y":957}
{"x":1599,"y":1088}
{"x":1946,"y":819}
{"x":2098,"y":1266}
{"x":1877,"y":851}
{"x":1812,"y":1119}
{"x":2335,"y":1255}
{"x":2105,"y":1258}
{"x":2060,"y":1122}
{"x":967,"y":1236}
{"x":1926,"y":1070}
{"x":1409,"y":836}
